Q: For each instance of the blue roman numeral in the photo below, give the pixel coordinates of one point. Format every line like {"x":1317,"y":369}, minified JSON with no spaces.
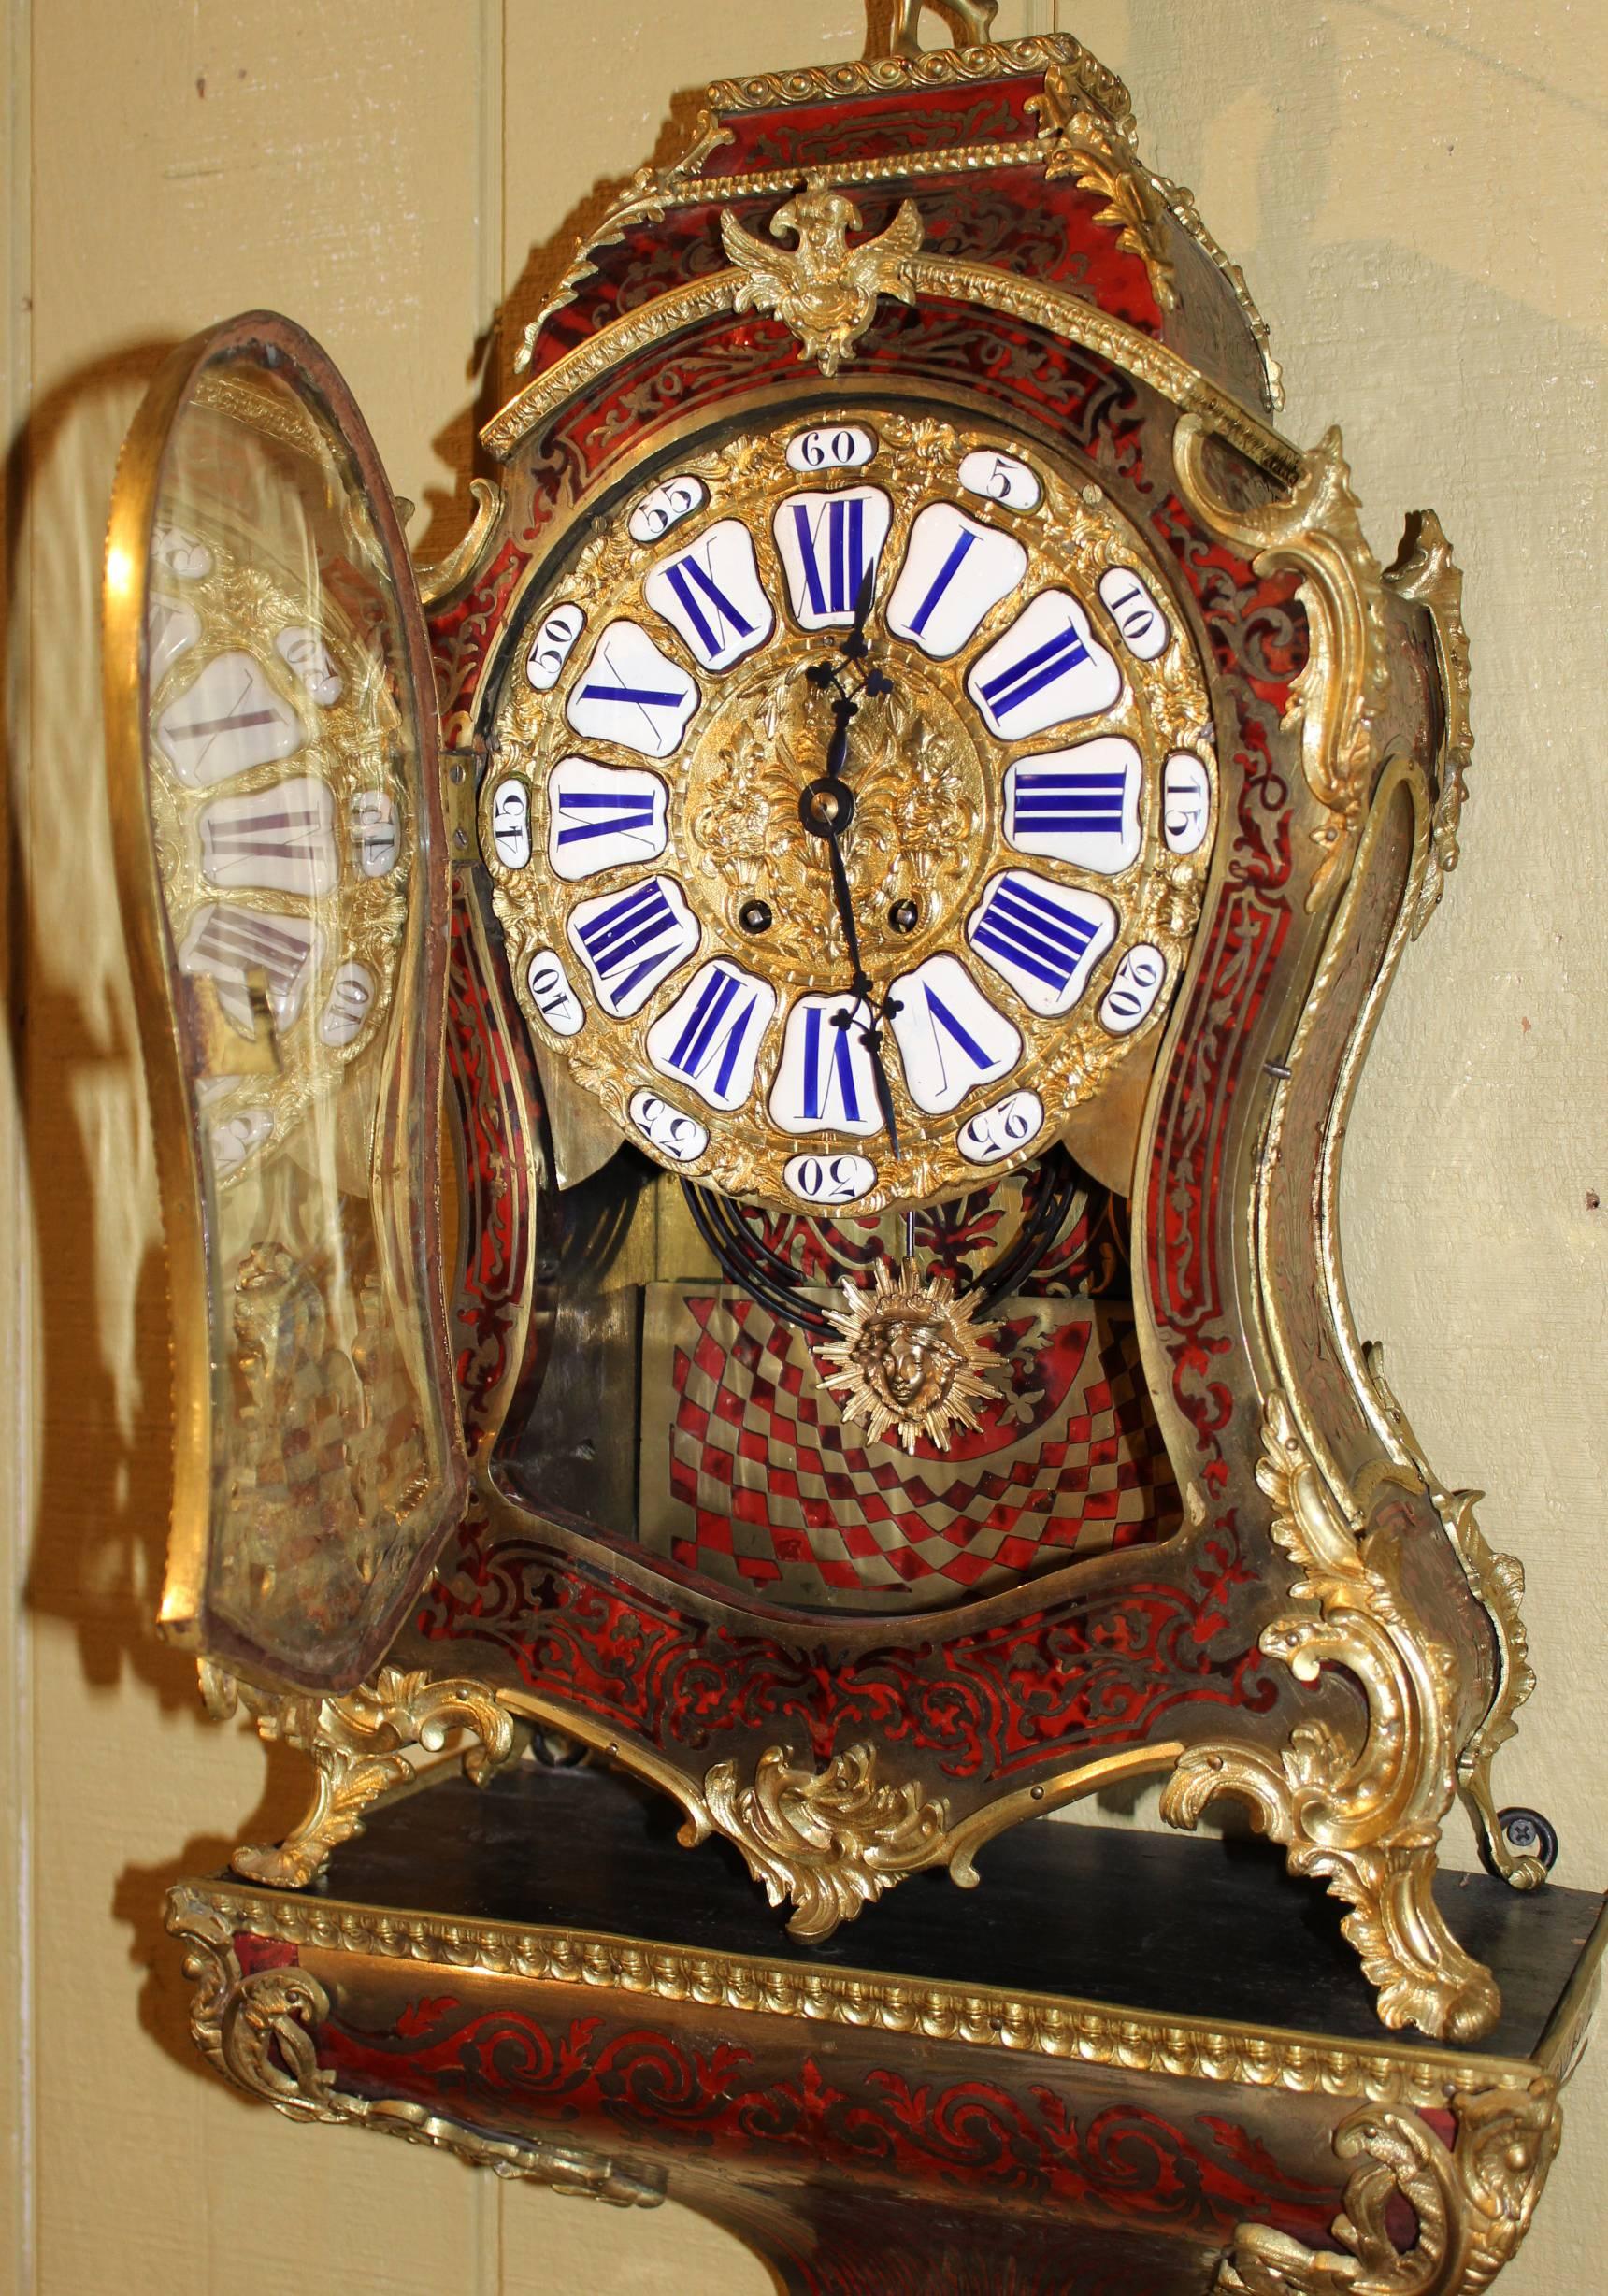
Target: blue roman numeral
{"x":1032,"y":931}
{"x":684,"y":576}
{"x":1048,"y":802}
{"x":834,"y":588}
{"x":828,"y":1060}
{"x":1019,"y":681}
{"x":941,"y":582}
{"x":649,"y":697}
{"x":615,"y":700}
{"x":939,"y":1017}
{"x":714,"y":1031}
{"x":603,"y":813}
{"x":628,"y":938}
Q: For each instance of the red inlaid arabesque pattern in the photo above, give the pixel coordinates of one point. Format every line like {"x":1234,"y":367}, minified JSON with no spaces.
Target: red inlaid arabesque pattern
{"x":1012,"y":219}
{"x":461,"y":633}
{"x":1098,"y":1670}
{"x":639,"y":2082}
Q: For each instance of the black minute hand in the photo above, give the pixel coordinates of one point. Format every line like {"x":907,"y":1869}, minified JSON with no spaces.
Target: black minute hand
{"x":827,"y":807}
{"x":843,"y":710}
{"x":870,"y":1034}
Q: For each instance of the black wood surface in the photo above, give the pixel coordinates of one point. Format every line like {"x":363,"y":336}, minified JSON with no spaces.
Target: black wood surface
{"x":1173,"y":1925}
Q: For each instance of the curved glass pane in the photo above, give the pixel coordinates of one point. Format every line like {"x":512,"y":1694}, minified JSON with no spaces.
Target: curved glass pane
{"x":290,"y":888}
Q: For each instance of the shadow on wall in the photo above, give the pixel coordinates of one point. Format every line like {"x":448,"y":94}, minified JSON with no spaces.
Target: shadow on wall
{"x":102,"y":1308}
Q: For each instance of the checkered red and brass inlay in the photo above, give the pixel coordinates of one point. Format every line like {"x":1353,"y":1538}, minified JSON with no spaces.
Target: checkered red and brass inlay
{"x":760,"y":1485}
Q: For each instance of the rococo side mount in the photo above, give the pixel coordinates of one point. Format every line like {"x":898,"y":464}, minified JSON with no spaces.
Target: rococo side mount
{"x":894,"y":829}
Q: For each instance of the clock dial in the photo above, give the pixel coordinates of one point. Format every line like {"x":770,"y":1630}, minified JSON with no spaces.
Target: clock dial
{"x":632,"y":939}
{"x":1048,"y":669}
{"x":950,"y":1037}
{"x":826,"y":1081}
{"x":1185,"y":802}
{"x":281,"y":837}
{"x":1043,"y":939}
{"x":229,"y":718}
{"x":710,"y":1037}
{"x":822,"y":936}
{"x":955,"y":569}
{"x":631,"y":694}
{"x":1081,"y":805}
{"x":712,"y":594}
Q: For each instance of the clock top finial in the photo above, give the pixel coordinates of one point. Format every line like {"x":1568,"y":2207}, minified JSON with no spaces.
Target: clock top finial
{"x":972,"y":18}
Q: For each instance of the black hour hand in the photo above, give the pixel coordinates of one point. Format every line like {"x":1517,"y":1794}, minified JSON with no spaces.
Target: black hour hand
{"x":856,"y":645}
{"x":870,"y":1029}
{"x":872,"y":1037}
{"x":869,"y":1032}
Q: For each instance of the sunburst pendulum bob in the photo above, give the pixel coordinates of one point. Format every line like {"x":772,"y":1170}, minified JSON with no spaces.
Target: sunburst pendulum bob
{"x":911,"y":1357}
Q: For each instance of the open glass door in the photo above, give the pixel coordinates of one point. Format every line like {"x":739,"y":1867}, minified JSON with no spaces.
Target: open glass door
{"x":272,"y":742}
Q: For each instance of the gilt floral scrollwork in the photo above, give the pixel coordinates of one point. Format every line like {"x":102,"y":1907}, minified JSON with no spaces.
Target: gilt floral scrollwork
{"x":259,"y":2031}
{"x":832,"y":1840}
{"x":1473,"y":2204}
{"x":358,"y":1748}
{"x":1099,"y":154}
{"x":1089,"y":133}
{"x":1315,"y":531}
{"x":440,"y":580}
{"x":1497,"y":1583}
{"x":1426,"y":573}
{"x":1365,"y":1818}
{"x":646,"y":199}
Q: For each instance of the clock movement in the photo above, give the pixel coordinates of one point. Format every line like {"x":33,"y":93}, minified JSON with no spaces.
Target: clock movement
{"x":751,"y":1072}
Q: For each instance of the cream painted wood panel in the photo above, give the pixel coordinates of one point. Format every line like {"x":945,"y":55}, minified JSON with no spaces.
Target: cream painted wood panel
{"x":1411,"y":190}
{"x":1413,"y":187}
{"x":185,"y":163}
{"x":16,"y":1382}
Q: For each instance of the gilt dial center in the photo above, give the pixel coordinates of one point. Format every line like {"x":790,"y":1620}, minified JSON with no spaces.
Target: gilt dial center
{"x":913,"y":811}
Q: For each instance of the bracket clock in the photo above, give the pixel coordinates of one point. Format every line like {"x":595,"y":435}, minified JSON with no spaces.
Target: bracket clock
{"x":751,"y":1073}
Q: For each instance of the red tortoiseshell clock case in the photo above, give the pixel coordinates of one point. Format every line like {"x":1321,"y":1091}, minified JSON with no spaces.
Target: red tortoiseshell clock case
{"x":1255,"y":1635}
{"x":1292,"y":1607}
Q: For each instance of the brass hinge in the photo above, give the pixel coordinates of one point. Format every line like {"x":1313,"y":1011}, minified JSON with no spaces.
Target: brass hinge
{"x":458,"y":777}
